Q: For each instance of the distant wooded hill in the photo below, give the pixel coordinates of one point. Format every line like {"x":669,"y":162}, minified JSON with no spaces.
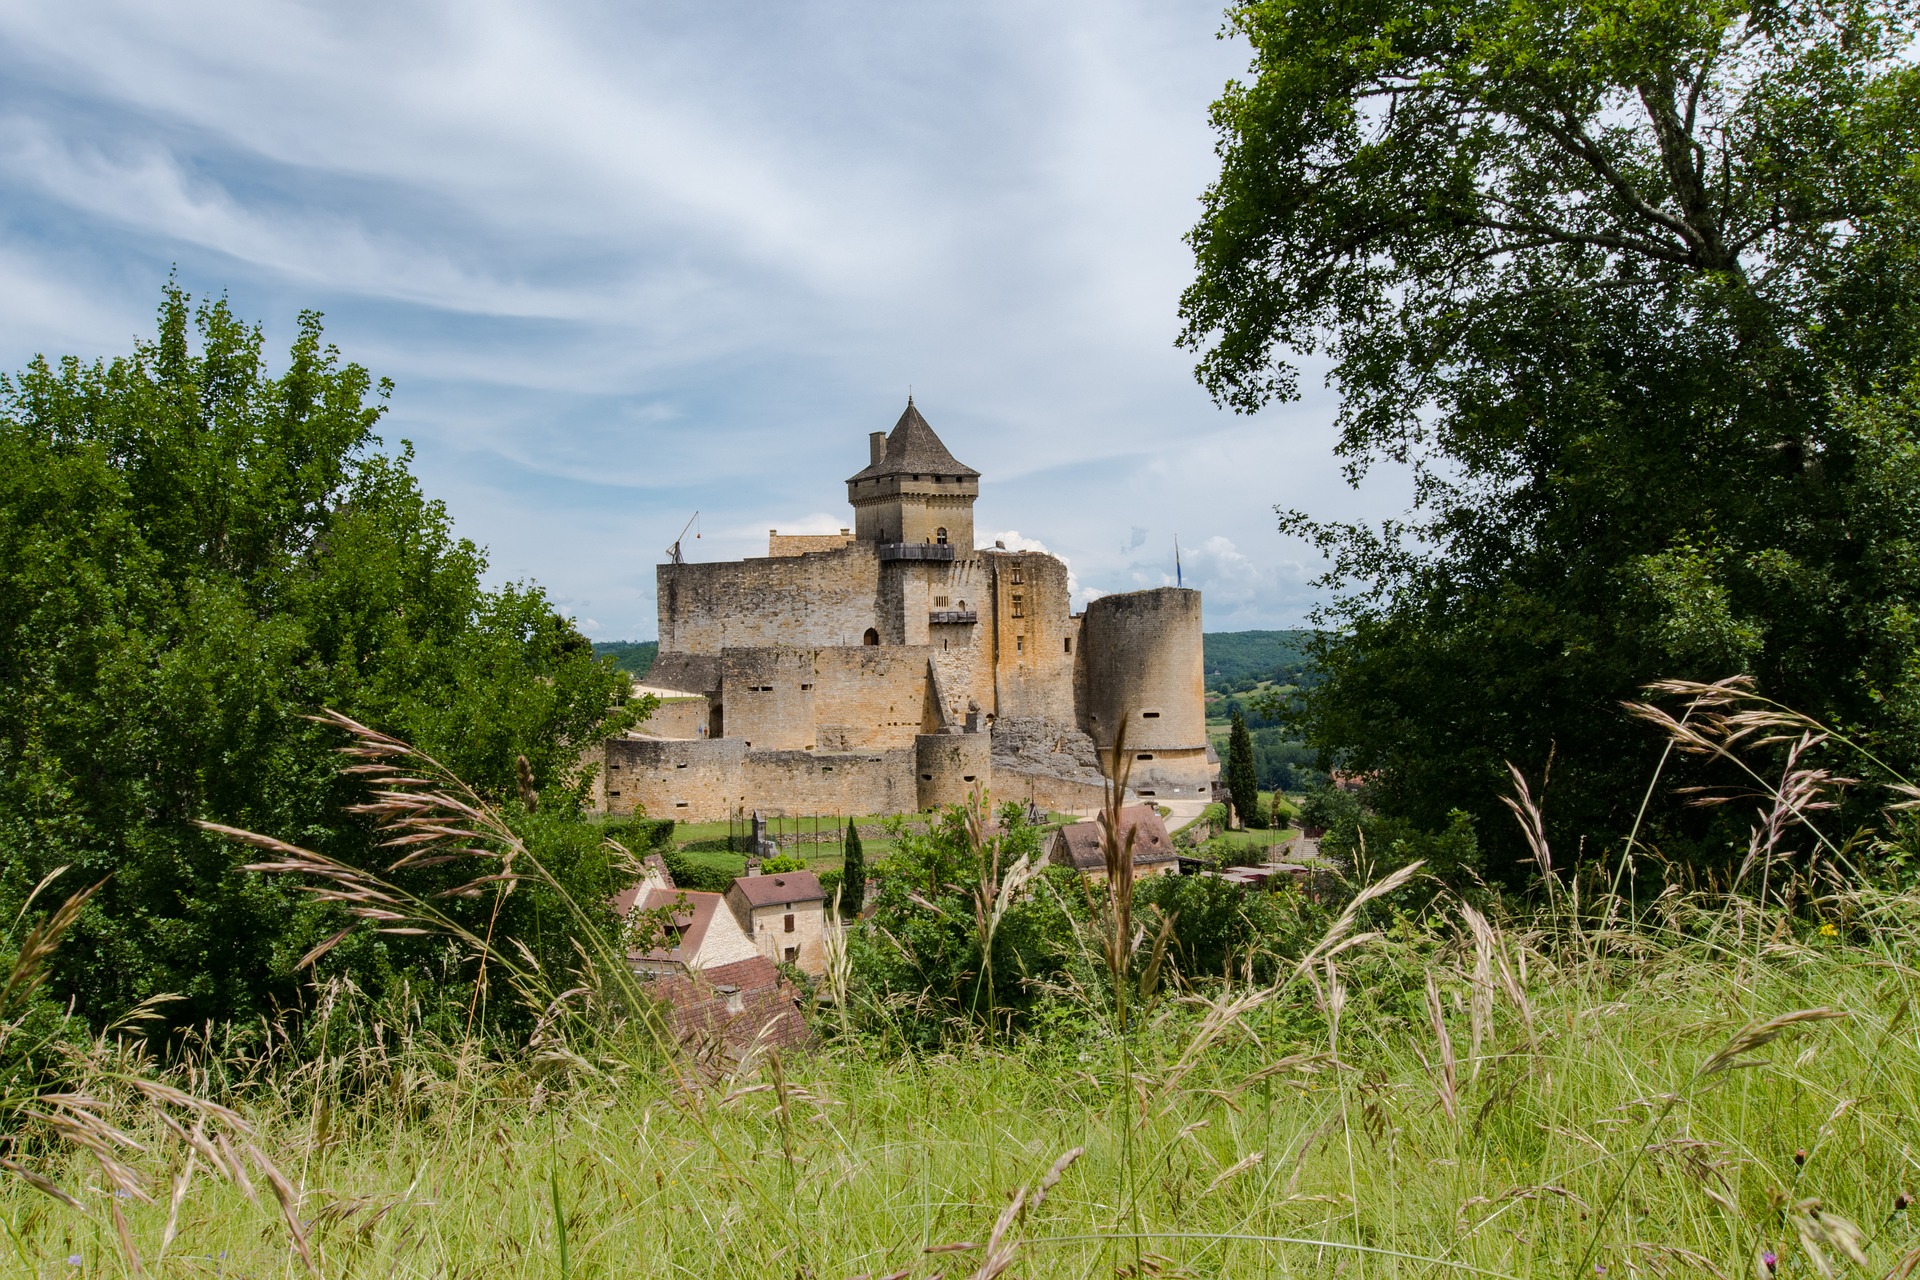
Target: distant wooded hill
{"x":1233,"y":658}
{"x":1238,"y":660}
{"x":635,"y":657}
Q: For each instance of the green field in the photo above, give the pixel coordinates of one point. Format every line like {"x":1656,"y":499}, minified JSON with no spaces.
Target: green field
{"x":1556,"y":1103}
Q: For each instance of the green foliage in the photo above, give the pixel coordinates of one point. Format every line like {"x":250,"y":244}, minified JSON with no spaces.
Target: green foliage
{"x":853,"y":892}
{"x":1327,"y":807}
{"x":635,"y":657}
{"x":1242,"y":782}
{"x":1222,"y":929}
{"x":1238,"y":660}
{"x":691,"y":873}
{"x":783,"y":862}
{"x":1372,"y":845}
{"x":194,"y":556}
{"x":920,"y":956}
{"x":1634,"y":295}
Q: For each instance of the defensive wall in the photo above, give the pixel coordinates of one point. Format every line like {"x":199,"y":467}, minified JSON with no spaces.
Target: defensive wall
{"x":710,"y":780}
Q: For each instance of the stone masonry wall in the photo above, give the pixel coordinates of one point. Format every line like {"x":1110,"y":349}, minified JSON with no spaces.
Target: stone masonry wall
{"x":708,"y":780}
{"x":821,"y":598}
{"x":1144,"y":667}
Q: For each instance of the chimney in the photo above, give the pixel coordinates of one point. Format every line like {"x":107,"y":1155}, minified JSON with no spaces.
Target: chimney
{"x":877,"y":443}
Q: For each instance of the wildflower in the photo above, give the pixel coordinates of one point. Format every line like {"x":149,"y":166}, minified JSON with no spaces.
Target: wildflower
{"x":1828,"y":931}
{"x":73,"y":1259}
{"x":1768,"y":1262}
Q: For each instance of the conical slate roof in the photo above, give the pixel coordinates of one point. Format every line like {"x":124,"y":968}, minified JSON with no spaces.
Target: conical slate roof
{"x":913,"y":449}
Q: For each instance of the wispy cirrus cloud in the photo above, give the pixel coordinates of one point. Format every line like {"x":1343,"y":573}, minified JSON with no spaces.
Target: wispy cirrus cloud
{"x":629,"y":263}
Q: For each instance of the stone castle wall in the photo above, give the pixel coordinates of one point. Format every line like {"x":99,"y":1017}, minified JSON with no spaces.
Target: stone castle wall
{"x":811,"y":600}
{"x":1033,"y":637}
{"x":949,"y":767}
{"x":712,"y":779}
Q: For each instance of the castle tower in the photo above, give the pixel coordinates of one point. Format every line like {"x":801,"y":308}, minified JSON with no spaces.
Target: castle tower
{"x":914,"y":490}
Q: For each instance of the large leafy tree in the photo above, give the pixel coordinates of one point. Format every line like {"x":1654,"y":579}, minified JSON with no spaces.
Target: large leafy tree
{"x":195,"y":555}
{"x":1631,"y":287}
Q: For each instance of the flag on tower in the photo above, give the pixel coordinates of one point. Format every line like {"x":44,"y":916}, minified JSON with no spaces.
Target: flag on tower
{"x":1177,"y":581}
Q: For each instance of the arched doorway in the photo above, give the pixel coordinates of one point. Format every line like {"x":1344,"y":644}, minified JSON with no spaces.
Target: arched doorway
{"x":871,"y":638}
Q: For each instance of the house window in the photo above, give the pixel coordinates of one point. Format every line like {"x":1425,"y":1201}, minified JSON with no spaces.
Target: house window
{"x":940,"y":536}
{"x":789,"y":923}
{"x":872,"y":637}
{"x":793,"y":954}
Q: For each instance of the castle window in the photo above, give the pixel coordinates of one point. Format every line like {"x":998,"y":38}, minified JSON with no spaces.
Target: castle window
{"x":965,"y":777}
{"x":1069,"y":643}
{"x":1149,"y":715}
{"x":872,"y":637}
{"x":1019,"y":605}
{"x":926,"y":777}
{"x":1018,"y":577}
{"x":940,"y":536}
{"x":940,"y":602}
{"x":1019,"y":642}
{"x":1144,"y":755}
{"x":805,"y":687}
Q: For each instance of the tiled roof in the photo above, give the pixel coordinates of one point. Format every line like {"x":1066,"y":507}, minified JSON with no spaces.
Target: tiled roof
{"x":1080,"y":843}
{"x":691,"y":921}
{"x":913,"y":449}
{"x":731,"y":1006}
{"x":778,"y":890}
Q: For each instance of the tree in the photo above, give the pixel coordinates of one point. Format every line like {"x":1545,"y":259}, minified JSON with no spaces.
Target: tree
{"x":196,"y":555}
{"x":853,"y":875}
{"x":1631,"y":287}
{"x":1242,"y":784}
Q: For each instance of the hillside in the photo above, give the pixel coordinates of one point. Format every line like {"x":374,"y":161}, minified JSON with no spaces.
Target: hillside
{"x":635,"y":657}
{"x":1238,"y":660}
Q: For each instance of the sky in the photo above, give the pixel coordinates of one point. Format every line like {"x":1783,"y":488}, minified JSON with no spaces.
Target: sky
{"x":629,"y":262}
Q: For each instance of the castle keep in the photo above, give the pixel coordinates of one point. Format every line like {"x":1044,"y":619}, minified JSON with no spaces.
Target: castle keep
{"x":894,"y":667}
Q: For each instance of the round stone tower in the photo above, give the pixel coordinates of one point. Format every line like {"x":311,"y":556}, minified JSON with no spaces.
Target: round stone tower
{"x":1145,"y":671}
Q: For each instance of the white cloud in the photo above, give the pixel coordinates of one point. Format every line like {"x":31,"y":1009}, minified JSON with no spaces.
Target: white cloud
{"x":626,"y":262}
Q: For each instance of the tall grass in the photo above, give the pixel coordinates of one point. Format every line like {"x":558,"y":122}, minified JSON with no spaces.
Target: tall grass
{"x":1708,"y":1083}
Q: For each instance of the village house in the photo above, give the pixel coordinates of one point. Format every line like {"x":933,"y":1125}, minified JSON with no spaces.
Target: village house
{"x":784,"y":917}
{"x":1081,"y":845}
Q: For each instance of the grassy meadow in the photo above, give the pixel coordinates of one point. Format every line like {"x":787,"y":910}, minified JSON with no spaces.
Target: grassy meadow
{"x":1444,"y":1099}
{"x":1684,"y":1078}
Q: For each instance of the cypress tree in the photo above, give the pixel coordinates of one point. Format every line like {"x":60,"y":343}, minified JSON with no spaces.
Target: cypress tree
{"x":1242,"y":783}
{"x":853,"y":879}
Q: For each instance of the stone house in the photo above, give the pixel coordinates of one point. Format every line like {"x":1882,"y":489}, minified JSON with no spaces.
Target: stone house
{"x":1080,"y":845}
{"x":704,"y":932}
{"x":784,"y":917}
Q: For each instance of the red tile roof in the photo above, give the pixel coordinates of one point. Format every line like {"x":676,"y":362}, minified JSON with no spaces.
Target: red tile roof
{"x":778,"y":890}
{"x":1079,"y":844}
{"x":731,"y":1006}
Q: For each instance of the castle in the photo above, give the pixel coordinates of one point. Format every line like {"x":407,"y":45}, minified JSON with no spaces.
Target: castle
{"x":895,"y":668}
